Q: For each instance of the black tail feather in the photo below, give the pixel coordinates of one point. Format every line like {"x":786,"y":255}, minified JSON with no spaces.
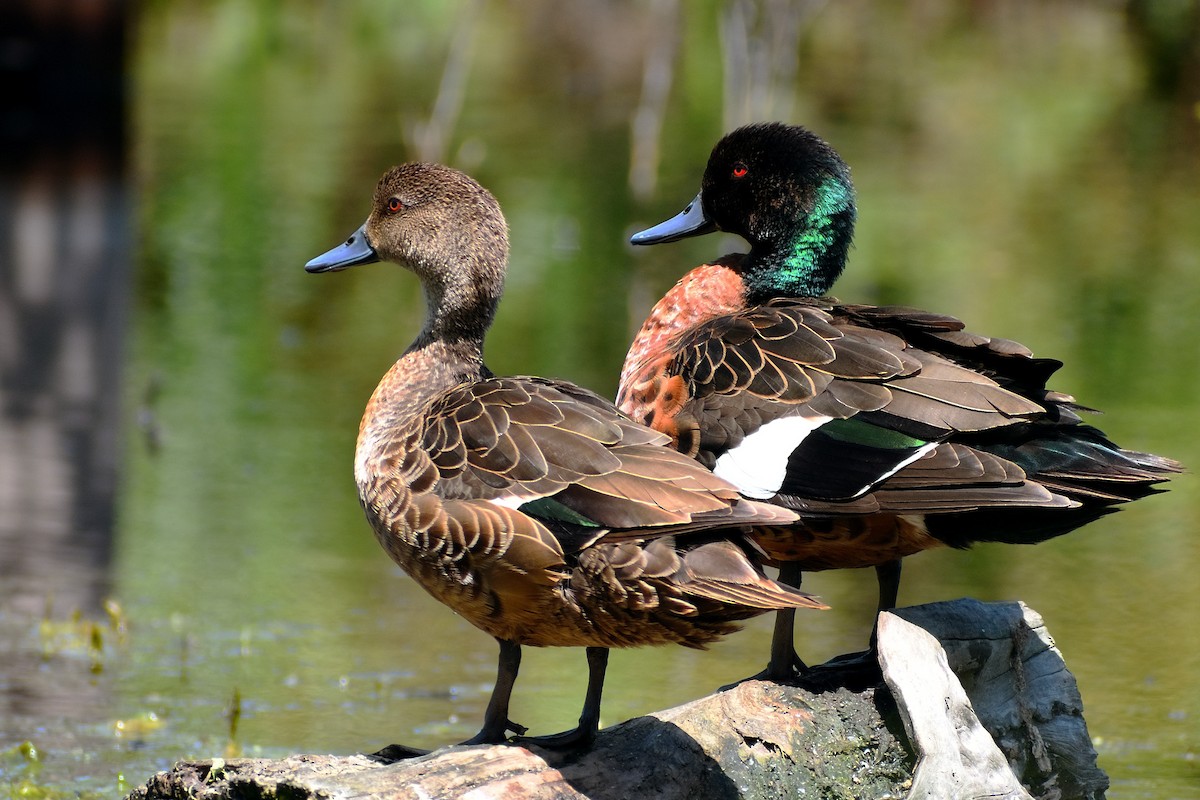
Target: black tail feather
{"x":1011,"y":525}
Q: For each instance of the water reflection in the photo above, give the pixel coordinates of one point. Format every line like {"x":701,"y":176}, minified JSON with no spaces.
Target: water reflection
{"x":66,"y":290}
{"x":64,"y":280}
{"x":1030,"y":170}
{"x":64,"y":286}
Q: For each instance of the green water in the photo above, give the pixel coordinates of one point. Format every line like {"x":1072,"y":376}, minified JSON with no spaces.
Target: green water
{"x":1019,"y":168}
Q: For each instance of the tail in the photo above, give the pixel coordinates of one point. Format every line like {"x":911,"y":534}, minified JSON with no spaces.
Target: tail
{"x":1075,"y":461}
{"x":1080,"y":462}
{"x":720,"y":570}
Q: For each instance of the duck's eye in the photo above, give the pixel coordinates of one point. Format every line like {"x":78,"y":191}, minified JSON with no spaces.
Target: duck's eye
{"x":394,"y":205}
{"x":739,"y":170}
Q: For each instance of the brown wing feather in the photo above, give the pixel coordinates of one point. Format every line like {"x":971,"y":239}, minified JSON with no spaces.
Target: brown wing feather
{"x":813,"y":357}
{"x":515,"y":440}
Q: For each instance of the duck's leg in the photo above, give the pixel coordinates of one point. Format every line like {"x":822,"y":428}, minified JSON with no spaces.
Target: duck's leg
{"x":496,"y":723}
{"x":889,"y":592}
{"x":785,"y":664}
{"x":859,"y":670}
{"x":589,"y":721}
{"x":495,"y":719}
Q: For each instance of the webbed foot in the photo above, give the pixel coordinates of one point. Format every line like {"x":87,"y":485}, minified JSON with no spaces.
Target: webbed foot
{"x":396,"y":752}
{"x":788,"y":670}
{"x":853,"y":671}
{"x":574,"y":739}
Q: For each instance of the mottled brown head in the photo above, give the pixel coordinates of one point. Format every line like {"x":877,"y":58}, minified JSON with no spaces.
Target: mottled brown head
{"x":447,"y":229}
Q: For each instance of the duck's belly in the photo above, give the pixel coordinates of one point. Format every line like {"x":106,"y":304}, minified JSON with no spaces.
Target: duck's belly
{"x":581,"y":610}
{"x":847,"y":542}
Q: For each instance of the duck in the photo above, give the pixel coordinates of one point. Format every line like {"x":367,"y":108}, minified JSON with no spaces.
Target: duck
{"x":890,"y":430}
{"x":531,"y":506}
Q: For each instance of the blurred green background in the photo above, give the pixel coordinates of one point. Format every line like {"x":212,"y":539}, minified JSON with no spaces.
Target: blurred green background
{"x":1031,"y":168}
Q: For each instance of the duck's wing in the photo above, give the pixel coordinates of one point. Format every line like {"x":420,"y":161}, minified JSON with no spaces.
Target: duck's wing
{"x":1010,"y":363}
{"x":949,"y":478}
{"x":1055,"y":448}
{"x":504,"y":483}
{"x":562,"y":454}
{"x":798,"y":398}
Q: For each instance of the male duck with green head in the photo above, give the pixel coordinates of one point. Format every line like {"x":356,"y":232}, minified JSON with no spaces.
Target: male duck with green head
{"x":890,"y":430}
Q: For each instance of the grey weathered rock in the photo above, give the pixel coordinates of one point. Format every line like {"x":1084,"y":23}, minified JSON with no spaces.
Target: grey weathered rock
{"x":955,"y":755}
{"x":1021,"y":690}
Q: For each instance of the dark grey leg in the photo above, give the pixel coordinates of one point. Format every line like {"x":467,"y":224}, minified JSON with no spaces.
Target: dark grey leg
{"x":496,"y":723}
{"x":589,"y":720}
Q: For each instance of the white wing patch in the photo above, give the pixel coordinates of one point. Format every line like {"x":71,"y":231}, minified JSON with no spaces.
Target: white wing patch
{"x":758,"y":465}
{"x":513,"y":501}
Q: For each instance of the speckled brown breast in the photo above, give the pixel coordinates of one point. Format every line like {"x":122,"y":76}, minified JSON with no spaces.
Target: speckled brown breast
{"x":649,"y":394}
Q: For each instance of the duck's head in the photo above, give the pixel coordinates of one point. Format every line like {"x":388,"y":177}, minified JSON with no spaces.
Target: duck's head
{"x":785,"y":191}
{"x":447,"y":229}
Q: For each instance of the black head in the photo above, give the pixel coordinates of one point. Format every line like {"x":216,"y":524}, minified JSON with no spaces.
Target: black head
{"x":788,"y":193}
{"x":762,"y":179}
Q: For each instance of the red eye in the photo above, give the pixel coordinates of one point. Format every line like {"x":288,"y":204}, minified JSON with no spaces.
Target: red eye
{"x":394,"y":204}
{"x":739,"y":170}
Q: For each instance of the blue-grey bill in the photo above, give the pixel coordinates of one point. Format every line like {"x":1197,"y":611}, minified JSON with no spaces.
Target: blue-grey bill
{"x":355,"y":250}
{"x":692,"y":221}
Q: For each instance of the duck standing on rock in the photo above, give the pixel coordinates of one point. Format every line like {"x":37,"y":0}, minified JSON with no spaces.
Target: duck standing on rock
{"x":532,"y":507}
{"x":890,"y":430}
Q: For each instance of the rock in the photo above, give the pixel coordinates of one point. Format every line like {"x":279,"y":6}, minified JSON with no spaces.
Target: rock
{"x":1021,"y":690}
{"x":956,"y":756}
{"x":977,"y":703}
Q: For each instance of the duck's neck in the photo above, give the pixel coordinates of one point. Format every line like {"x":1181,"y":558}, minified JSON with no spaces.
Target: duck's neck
{"x":447,"y":353}
{"x":459,"y":314}
{"x":428,"y":368}
{"x":804,"y":259}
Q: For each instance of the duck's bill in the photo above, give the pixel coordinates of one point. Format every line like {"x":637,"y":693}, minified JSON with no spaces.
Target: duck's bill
{"x":355,"y":250}
{"x":692,"y":221}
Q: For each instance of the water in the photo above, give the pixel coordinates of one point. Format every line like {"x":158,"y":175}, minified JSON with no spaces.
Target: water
{"x":1019,"y":169}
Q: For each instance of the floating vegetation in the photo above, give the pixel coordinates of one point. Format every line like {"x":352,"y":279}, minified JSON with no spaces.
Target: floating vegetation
{"x":28,"y":751}
{"x":19,"y":767}
{"x":233,"y":715}
{"x":118,"y":622}
{"x":138,"y":727}
{"x":80,"y":637}
{"x":233,"y":712}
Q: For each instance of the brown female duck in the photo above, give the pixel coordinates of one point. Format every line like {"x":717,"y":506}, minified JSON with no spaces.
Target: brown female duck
{"x":891,"y":430}
{"x":530,"y":506}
